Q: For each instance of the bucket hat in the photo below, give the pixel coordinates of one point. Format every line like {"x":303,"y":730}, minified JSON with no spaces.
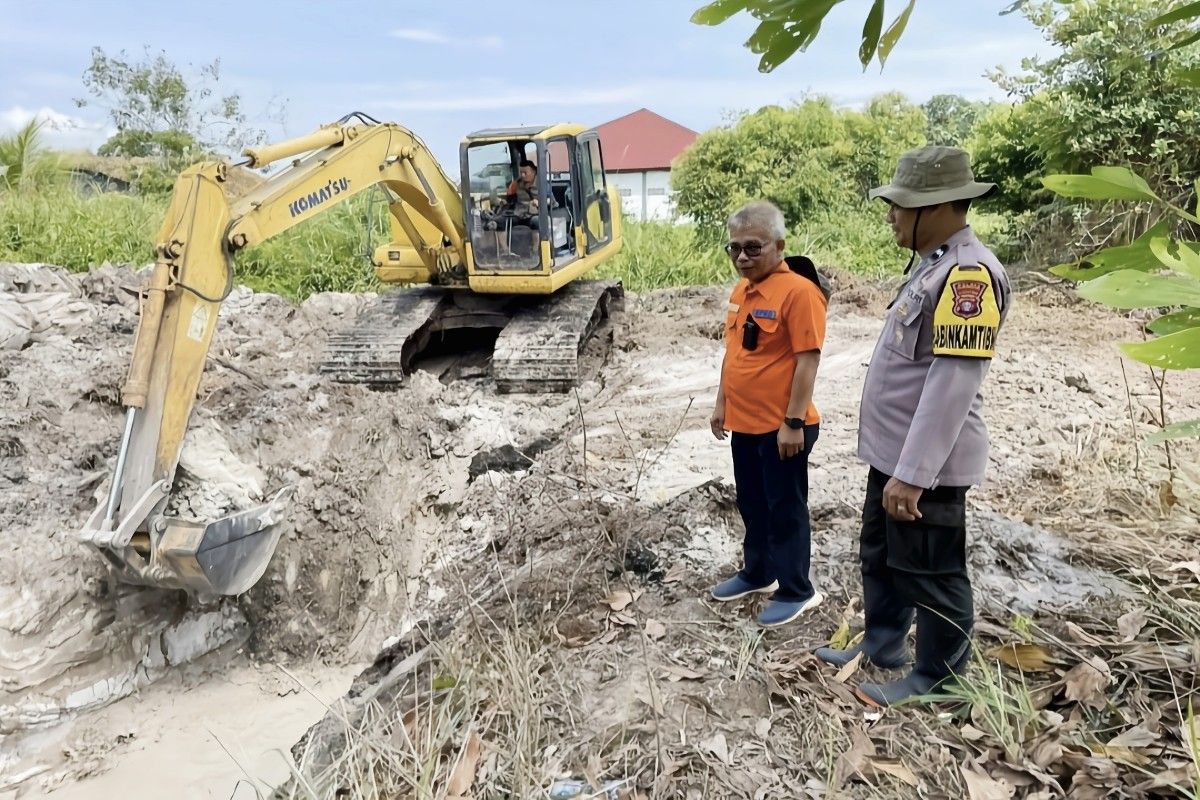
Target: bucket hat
{"x":929,"y":176}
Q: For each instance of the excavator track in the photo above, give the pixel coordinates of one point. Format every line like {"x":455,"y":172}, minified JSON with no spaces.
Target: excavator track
{"x":539,"y":349}
{"x":385,"y":339}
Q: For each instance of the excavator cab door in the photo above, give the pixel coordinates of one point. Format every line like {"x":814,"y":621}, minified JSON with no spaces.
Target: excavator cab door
{"x":597,"y":210}
{"x":504,"y":230}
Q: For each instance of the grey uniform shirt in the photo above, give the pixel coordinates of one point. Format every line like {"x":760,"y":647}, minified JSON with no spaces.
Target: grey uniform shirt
{"x":919,"y":419}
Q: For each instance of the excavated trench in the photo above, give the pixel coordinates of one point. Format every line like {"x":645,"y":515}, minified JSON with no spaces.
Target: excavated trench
{"x":405,"y":500}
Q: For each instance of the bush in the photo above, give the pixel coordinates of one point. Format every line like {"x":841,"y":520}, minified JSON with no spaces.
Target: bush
{"x":809,"y":159}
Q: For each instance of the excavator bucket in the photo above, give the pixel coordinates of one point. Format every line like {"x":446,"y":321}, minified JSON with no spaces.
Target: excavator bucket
{"x":223,"y":557}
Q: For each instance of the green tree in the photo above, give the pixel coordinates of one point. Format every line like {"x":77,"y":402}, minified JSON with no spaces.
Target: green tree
{"x":160,"y":112}
{"x":1112,"y":94}
{"x":950,"y":118}
{"x":808,"y":158}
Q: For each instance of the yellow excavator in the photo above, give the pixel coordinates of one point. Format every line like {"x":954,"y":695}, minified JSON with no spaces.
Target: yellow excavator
{"x":485,"y":261}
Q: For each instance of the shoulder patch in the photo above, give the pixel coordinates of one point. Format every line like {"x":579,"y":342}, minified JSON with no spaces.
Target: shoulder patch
{"x":967,"y":316}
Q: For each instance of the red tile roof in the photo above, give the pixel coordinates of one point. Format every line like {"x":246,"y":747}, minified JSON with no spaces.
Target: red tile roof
{"x":642,"y":141}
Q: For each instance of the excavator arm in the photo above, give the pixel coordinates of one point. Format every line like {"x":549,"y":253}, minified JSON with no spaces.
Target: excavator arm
{"x":192,"y":274}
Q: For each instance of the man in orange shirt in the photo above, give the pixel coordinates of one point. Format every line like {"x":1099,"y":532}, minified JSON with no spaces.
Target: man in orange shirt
{"x":774,"y":331}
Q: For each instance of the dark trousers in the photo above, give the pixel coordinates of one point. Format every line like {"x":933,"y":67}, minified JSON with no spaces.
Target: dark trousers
{"x":772,"y":496}
{"x":917,"y":567}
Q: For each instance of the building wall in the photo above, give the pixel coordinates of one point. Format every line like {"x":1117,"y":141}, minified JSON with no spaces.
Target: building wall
{"x":645,"y":195}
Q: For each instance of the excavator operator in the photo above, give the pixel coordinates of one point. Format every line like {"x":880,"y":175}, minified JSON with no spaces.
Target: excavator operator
{"x":523,"y":195}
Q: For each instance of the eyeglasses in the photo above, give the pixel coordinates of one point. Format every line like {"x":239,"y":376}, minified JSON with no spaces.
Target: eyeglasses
{"x":753,"y":250}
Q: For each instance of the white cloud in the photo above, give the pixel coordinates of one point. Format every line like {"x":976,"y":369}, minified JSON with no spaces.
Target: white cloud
{"x":427,"y":36}
{"x":419,"y":35}
{"x":60,"y":131}
{"x":510,"y":99}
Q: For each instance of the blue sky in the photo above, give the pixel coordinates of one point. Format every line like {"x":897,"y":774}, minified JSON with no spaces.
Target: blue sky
{"x":446,"y":68}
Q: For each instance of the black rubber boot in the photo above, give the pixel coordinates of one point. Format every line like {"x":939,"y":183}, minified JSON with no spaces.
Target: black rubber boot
{"x":895,"y":657}
{"x":943,"y":651}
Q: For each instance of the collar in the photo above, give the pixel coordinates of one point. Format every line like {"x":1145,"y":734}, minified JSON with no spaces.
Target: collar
{"x":961,"y":236}
{"x":761,"y":286}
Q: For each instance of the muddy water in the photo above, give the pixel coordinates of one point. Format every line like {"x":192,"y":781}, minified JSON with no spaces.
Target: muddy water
{"x":216,"y":731}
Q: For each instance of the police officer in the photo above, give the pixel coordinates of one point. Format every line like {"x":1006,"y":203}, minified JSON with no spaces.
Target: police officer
{"x":921,"y":431}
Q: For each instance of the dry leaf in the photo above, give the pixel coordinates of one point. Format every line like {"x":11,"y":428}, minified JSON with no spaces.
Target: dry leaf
{"x":1083,"y":637}
{"x":718,"y":747}
{"x":856,"y":758}
{"x":674,"y":673}
{"x":1046,"y":752}
{"x":981,"y":786}
{"x":1166,"y":495}
{"x":1022,"y":656}
{"x":464,"y":771}
{"x":1122,"y":754}
{"x":675,"y":574}
{"x":1086,"y":682}
{"x":621,"y":598}
{"x":623,"y":619}
{"x":851,"y":667}
{"x":1186,"y":566}
{"x":655,"y":629}
{"x":1137,"y":736}
{"x":895,"y":768}
{"x":1174,"y":778}
{"x":971,"y":733}
{"x":1131,"y":624}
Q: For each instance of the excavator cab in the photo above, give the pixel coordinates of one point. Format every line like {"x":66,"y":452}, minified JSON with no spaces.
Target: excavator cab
{"x":569,"y":216}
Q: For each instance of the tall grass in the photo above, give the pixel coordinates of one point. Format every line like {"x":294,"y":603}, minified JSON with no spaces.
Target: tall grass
{"x":76,"y":231}
{"x":330,"y":253}
{"x":658,"y":254}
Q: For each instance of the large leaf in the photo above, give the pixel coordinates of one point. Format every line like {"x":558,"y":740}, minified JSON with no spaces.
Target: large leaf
{"x":1178,"y":257}
{"x":1185,"y":11}
{"x":1189,"y":429}
{"x":1173,"y":323}
{"x":1105,"y":183}
{"x":894,"y":32}
{"x":1184,"y":41}
{"x":1188,"y":77}
{"x":785,"y":45}
{"x":1176,"y":351}
{"x":1135,"y":255}
{"x":870,"y":35}
{"x":1132,"y":289}
{"x":717,"y":12}
{"x":785,"y":29}
{"x":764,"y":36}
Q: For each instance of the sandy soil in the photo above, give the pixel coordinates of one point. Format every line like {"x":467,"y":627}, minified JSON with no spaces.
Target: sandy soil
{"x":397,"y":520}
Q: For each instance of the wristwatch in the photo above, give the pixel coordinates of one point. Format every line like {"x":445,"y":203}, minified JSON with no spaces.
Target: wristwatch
{"x":795,"y":423}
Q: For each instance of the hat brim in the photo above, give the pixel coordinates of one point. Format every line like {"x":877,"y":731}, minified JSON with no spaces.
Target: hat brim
{"x":911,"y":198}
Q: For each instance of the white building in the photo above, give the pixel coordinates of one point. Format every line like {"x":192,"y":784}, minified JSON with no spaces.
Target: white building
{"x":639,"y":149}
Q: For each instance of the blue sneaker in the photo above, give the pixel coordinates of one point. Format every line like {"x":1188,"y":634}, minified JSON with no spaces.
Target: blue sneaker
{"x":781,"y":612}
{"x":737,"y":587}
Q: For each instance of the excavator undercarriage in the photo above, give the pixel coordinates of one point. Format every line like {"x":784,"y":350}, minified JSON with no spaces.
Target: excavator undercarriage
{"x":538,"y":348}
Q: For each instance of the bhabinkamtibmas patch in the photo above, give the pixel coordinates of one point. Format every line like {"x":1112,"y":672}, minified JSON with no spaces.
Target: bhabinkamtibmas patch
{"x":967,"y":316}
